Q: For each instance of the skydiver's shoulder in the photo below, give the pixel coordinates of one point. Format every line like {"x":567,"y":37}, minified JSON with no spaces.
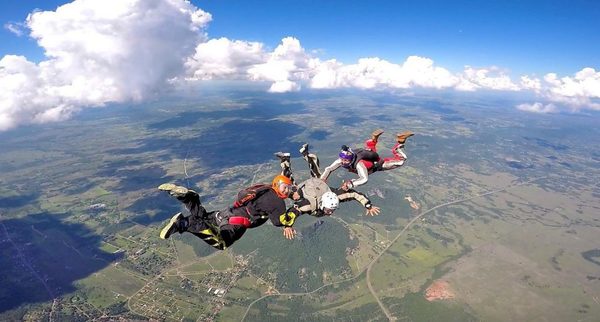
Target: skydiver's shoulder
{"x":270,"y":200}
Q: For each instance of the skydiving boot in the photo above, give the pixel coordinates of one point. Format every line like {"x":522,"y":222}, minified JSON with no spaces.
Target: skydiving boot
{"x":304,"y":149}
{"x":174,"y":190}
{"x":282,"y":156}
{"x":176,"y":224}
{"x":375,"y":135}
{"x":401,"y":137}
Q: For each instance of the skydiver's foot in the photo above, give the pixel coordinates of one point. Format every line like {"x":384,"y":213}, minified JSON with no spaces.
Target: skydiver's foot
{"x":283,"y":156}
{"x":401,"y":137}
{"x":375,"y":135}
{"x":304,"y":149}
{"x":175,"y":225}
{"x":174,"y":190}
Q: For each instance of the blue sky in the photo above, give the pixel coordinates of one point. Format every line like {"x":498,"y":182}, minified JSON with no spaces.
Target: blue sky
{"x":14,"y":12}
{"x":524,"y":36}
{"x":534,"y":37}
{"x":88,"y":53}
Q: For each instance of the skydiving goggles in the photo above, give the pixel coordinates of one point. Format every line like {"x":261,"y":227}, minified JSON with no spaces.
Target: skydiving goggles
{"x":345,"y":162}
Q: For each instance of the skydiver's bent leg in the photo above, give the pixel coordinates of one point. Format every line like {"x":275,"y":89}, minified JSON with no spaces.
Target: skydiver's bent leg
{"x":203,"y":224}
{"x":208,"y":229}
{"x":313,"y":165}
{"x":370,"y":156}
{"x":373,"y":157}
{"x":391,"y":163}
{"x":189,"y":198}
{"x":371,"y":144}
{"x":285,"y":163}
{"x":313,"y":161}
{"x":398,"y":159}
{"x":231,"y":233}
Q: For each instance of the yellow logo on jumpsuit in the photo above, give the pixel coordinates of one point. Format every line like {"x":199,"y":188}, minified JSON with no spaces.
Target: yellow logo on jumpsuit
{"x":288,"y":218}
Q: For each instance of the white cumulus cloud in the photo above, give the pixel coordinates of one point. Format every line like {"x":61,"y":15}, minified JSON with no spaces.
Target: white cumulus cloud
{"x":224,"y":59}
{"x":16,"y":28}
{"x":580,"y":91}
{"x":486,"y":78}
{"x":533,"y":84}
{"x":286,"y":67}
{"x":585,"y":83}
{"x":101,"y":51}
{"x":538,"y":108}
{"x":375,"y":72}
{"x":98,"y":51}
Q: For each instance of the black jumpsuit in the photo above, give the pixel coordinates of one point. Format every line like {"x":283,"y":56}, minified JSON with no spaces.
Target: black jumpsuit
{"x":216,"y":230}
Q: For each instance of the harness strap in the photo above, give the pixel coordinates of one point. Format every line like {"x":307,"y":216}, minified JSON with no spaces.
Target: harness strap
{"x":237,"y":220}
{"x":239,"y":203}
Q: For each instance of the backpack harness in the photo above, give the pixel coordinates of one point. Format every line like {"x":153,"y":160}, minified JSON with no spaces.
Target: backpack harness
{"x":244,"y":197}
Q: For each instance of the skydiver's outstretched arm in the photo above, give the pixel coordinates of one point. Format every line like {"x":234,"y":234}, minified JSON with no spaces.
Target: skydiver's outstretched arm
{"x":331,"y":168}
{"x":304,"y":206}
{"x":360,"y":197}
{"x":363,"y":177}
{"x":285,"y":219}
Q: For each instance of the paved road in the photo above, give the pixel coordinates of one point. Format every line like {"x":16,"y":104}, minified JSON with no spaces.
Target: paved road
{"x":383,"y":308}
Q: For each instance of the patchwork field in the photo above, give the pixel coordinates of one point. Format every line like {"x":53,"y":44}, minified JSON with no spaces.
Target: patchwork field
{"x":499,"y":208}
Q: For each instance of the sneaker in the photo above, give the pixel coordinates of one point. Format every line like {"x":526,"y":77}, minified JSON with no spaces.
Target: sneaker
{"x":401,"y":137}
{"x":304,"y":149}
{"x":174,"y":190}
{"x":283,"y":156}
{"x":172,"y":226}
{"x":375,"y":135}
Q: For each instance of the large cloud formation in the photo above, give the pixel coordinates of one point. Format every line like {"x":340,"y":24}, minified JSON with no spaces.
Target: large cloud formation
{"x":289,"y":67}
{"x":101,"y":51}
{"x":98,"y":51}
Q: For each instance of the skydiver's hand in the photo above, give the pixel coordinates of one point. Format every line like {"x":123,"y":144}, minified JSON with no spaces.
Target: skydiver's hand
{"x":289,"y":232}
{"x":346,"y":185}
{"x":373,"y":211}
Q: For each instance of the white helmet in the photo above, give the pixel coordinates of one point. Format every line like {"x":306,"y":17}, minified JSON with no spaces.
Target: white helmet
{"x":329,"y":201}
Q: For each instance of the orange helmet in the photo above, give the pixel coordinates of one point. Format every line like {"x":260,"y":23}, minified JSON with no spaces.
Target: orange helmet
{"x":277,"y":182}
